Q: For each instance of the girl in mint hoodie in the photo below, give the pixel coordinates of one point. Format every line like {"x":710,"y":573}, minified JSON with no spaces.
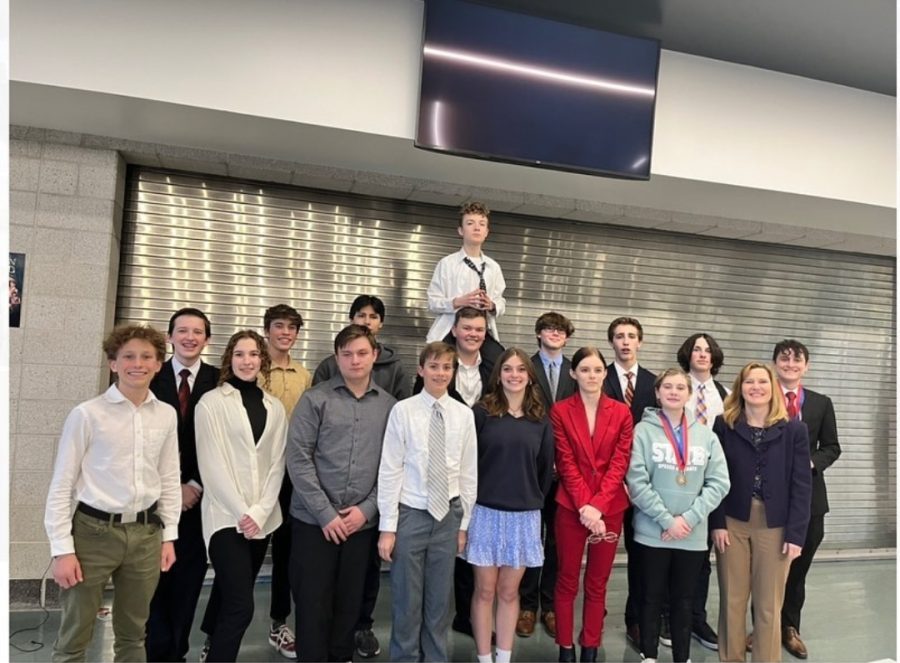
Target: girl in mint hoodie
{"x":676,"y":477}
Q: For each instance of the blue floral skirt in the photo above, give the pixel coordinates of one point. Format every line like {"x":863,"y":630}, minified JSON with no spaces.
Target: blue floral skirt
{"x":504,"y":538}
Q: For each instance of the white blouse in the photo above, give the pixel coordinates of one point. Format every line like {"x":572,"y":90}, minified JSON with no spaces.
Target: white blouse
{"x":239,"y":476}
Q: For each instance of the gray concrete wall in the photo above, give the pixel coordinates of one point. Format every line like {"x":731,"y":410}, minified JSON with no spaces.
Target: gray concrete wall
{"x":66,"y":217}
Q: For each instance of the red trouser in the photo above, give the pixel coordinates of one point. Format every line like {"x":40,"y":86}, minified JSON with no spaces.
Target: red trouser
{"x":571,"y":536}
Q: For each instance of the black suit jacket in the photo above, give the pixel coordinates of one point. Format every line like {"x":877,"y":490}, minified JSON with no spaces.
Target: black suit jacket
{"x":485,"y":368}
{"x":818,"y":415}
{"x":165,"y":387}
{"x":565,"y":386}
{"x":644,"y":394}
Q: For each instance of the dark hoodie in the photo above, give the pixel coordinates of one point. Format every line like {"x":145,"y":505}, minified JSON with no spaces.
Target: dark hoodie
{"x":388,"y":372}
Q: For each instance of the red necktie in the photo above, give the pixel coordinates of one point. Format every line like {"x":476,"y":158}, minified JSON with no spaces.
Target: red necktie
{"x":629,"y":390}
{"x":184,"y":392}
{"x":793,"y":410}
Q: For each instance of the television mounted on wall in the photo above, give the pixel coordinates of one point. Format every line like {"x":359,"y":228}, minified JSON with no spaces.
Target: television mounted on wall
{"x":523,"y":89}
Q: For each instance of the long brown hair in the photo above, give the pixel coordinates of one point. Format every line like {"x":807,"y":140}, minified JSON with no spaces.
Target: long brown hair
{"x":265,"y":365}
{"x":735,"y":405}
{"x":494,"y":400}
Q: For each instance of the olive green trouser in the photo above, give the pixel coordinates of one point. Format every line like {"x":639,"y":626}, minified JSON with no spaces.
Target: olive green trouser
{"x":130,"y":554}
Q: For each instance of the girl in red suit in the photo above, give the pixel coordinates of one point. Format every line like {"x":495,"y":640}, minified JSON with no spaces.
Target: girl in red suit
{"x":593,"y":435}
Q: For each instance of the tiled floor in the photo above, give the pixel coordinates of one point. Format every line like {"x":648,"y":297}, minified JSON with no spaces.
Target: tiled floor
{"x":850,"y":616}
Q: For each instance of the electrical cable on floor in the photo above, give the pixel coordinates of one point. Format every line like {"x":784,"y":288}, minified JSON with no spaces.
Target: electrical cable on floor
{"x":39,"y":645}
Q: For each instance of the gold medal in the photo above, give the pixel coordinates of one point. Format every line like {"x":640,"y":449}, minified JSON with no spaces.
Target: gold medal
{"x":680,"y":479}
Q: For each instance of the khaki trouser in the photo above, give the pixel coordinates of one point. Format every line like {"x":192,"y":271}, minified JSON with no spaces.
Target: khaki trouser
{"x":752,"y":564}
{"x":131,"y":555}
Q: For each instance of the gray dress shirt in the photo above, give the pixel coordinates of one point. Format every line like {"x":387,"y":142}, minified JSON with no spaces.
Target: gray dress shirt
{"x":334,"y":449}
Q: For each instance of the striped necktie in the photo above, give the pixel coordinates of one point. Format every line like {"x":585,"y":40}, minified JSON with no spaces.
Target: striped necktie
{"x":438,"y":483}
{"x":629,"y":390}
{"x":700,"y":410}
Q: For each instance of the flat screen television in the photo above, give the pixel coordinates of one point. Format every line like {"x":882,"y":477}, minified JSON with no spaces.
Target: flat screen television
{"x":517,"y":88}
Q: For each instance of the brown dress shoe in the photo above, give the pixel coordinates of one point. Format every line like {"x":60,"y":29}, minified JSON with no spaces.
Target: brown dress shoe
{"x":548,"y":619}
{"x":792,"y":642}
{"x":525,"y":625}
{"x":750,"y":642}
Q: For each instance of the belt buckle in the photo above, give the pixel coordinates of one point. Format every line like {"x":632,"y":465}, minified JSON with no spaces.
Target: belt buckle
{"x":129,"y":517}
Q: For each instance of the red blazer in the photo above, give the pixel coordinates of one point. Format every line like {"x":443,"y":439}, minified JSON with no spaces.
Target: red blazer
{"x":592,"y":471}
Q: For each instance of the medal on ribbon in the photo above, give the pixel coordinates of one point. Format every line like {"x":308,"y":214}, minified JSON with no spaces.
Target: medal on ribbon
{"x":680,"y":458}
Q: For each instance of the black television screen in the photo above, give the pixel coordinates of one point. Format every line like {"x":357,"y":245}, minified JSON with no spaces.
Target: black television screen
{"x":512,"y":87}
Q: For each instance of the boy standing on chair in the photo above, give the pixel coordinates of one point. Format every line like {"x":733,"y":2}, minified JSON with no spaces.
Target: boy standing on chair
{"x":468,"y":278}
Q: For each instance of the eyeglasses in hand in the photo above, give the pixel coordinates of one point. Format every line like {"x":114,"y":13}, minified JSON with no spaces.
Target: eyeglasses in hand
{"x":608,"y":537}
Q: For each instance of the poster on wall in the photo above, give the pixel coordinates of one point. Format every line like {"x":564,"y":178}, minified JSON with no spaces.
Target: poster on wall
{"x":16,"y":284}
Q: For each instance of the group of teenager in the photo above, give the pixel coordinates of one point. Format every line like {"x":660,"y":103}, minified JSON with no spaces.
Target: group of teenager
{"x":488,"y":479}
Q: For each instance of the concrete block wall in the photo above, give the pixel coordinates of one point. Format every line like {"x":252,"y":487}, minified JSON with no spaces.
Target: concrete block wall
{"x":66,"y":206}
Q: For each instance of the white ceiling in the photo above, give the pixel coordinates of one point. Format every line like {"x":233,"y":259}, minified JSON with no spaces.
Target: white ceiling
{"x":848,"y":42}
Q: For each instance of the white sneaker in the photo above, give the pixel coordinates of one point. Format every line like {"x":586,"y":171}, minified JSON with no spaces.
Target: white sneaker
{"x":282,"y":639}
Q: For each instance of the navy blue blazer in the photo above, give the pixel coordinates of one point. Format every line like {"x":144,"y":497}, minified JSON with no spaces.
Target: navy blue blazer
{"x":644,"y":393}
{"x":786,"y":476}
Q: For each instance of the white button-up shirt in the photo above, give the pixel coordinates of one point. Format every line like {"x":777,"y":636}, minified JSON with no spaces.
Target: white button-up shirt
{"x":468,"y":381}
{"x":116,"y":457}
{"x":403,"y":473}
{"x":452,"y":278}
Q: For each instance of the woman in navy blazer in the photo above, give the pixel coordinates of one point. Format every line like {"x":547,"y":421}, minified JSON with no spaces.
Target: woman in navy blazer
{"x":760,"y":526}
{"x":593,"y":435}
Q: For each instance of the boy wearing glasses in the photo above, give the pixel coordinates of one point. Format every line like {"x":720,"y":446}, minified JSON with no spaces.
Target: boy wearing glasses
{"x":552,"y":368}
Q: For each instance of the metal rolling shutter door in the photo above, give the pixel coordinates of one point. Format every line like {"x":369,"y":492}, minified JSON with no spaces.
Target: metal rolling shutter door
{"x":234,"y":248}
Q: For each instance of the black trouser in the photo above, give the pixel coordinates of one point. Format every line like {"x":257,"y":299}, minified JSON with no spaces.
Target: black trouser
{"x":634,"y":601}
{"x":795,"y":588}
{"x":701,"y":590}
{"x":538,"y":582}
{"x":370,"y":589}
{"x":175,"y":601}
{"x":280,"y":605}
{"x":672,"y":572}
{"x":463,"y":590}
{"x":236,"y":561}
{"x":327,"y":583}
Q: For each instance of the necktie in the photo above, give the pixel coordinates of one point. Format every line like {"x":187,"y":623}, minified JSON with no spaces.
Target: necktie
{"x":554,"y":381}
{"x":793,"y":410}
{"x":480,"y":272}
{"x":700,"y":410}
{"x":629,"y":390}
{"x":184,"y":392}
{"x":438,"y":483}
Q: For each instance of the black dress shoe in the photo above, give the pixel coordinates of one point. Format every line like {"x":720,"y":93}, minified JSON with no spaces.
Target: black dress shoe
{"x":567,"y":655}
{"x":588,"y":654}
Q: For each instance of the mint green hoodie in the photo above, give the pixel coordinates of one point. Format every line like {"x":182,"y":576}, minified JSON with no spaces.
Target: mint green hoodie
{"x":652,"y":486}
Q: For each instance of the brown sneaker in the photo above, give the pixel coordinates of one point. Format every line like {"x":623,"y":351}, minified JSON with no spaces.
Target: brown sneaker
{"x":525,"y":625}
{"x":548,"y":619}
{"x":792,"y":642}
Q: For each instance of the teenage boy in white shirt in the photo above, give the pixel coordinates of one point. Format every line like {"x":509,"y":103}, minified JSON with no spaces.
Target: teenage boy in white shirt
{"x":468,"y":278}
{"x":427,"y":486}
{"x":115,"y":499}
